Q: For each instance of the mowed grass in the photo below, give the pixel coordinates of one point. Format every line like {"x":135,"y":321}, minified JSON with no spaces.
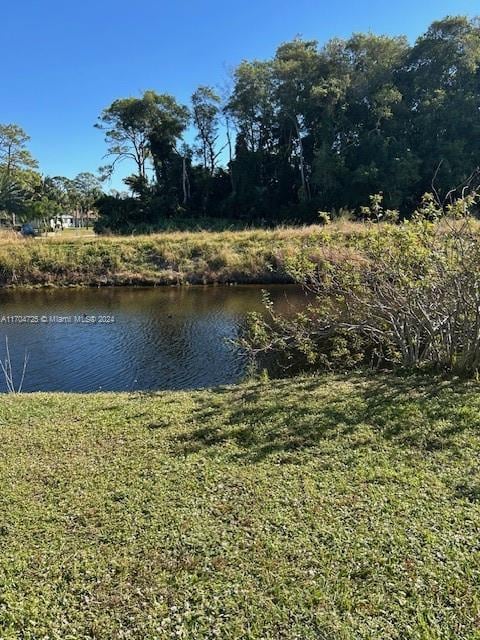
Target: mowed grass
{"x":316,"y":507}
{"x":202,"y":257}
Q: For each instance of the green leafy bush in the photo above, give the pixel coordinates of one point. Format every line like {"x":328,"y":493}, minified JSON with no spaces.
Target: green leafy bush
{"x":412,"y":301}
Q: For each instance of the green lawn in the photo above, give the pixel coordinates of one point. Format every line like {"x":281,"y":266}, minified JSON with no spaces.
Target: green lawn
{"x":311,"y":508}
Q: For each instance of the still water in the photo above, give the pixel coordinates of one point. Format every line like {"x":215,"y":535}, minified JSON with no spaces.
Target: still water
{"x":125,"y":339}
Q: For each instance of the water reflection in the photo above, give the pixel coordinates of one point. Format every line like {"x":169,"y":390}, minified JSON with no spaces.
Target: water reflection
{"x":164,"y":338}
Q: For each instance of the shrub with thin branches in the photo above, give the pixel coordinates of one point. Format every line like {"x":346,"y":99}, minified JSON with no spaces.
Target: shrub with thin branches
{"x":413,"y":301}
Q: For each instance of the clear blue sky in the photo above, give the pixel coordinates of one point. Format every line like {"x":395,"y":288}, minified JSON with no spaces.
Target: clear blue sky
{"x":65,"y":60}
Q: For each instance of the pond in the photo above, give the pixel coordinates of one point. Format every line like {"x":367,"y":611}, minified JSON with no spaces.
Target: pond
{"x":126,"y":339}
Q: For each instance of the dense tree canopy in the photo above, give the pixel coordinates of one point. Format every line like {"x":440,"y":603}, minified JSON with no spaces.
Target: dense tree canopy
{"x":316,"y":128}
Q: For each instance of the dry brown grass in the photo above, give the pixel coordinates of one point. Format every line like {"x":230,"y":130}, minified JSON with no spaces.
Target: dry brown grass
{"x":176,"y":257}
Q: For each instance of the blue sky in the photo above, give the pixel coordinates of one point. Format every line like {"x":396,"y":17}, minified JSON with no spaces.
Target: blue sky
{"x":65,"y":60}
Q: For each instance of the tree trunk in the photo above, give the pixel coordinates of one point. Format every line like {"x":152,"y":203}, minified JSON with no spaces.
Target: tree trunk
{"x":305,"y":185}
{"x":229,"y":143}
{"x":185,"y":181}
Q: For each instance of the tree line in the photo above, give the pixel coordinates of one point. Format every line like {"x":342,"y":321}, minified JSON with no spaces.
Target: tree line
{"x":314,"y":129}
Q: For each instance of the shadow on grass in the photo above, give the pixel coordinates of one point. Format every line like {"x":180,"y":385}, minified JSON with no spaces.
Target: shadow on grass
{"x":470,"y":492}
{"x":293,"y":415}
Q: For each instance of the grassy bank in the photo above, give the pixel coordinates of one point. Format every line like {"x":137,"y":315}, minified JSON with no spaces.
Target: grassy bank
{"x":308,"y":508}
{"x":253,"y":256}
